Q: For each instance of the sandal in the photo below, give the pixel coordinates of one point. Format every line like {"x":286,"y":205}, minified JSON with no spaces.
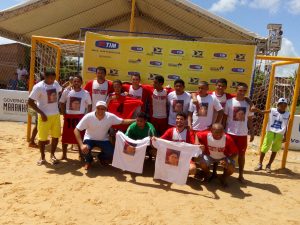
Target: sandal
{"x":41,"y":162}
{"x":268,"y":169}
{"x":54,"y":160}
{"x":258,"y":167}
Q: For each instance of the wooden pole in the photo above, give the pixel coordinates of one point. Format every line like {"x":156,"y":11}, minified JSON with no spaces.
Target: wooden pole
{"x":132,"y":17}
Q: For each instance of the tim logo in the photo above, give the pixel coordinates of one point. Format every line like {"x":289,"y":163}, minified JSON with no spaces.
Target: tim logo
{"x":217,"y":69}
{"x":220,"y":55}
{"x":157,"y":50}
{"x":113,"y":72}
{"x":177,"y":52}
{"x":133,"y":73}
{"x":238,"y":70}
{"x":107,"y":44}
{"x":155,"y":63}
{"x":213,"y":81}
{"x":137,"y":49}
{"x":197,"y":54}
{"x":195,"y":67}
{"x":92,"y":69}
{"x":240,"y":57}
{"x":173,"y":77}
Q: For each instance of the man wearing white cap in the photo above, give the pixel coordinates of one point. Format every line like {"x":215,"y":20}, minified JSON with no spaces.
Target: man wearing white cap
{"x":96,"y":125}
{"x":275,"y":135}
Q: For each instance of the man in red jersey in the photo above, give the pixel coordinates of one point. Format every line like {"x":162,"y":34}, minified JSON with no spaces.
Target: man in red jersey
{"x":218,"y":147}
{"x":99,"y":88}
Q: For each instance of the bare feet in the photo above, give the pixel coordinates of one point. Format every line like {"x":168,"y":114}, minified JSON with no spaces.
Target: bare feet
{"x":87,"y":166}
{"x":64,"y":157}
{"x":33,"y":145}
{"x":242,"y":180}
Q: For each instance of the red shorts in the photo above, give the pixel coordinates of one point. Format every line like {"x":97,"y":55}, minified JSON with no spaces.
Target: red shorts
{"x":161,"y":125}
{"x":70,"y":123}
{"x":240,"y":142}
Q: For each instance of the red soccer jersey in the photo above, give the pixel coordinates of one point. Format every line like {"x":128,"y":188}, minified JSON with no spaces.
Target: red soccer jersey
{"x":172,"y":134}
{"x":217,"y":149}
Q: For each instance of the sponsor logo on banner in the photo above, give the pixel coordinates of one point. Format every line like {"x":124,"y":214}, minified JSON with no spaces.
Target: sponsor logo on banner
{"x":217,"y":68}
{"x":197,"y":54}
{"x":220,"y":55}
{"x":152,"y":76}
{"x":134,"y":61}
{"x":107,"y":44}
{"x":113,"y":72}
{"x":194,"y":81}
{"x":133,"y":73}
{"x":213,"y":81}
{"x":173,"y":77}
{"x":174,"y":64}
{"x":240,"y":57}
{"x":157,"y":51}
{"x":12,"y":105}
{"x":238,"y":70}
{"x":137,"y":49}
{"x":195,"y":67}
{"x":234,"y":84}
{"x":92,"y":69}
{"x":177,"y":52}
{"x":155,"y":63}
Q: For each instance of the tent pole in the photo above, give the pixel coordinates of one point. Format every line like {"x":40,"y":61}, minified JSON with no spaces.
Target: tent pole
{"x":132,"y":22}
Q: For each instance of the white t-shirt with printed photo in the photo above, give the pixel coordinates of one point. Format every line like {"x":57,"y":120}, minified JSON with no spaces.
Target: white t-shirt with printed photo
{"x":126,"y":160}
{"x":97,"y":129}
{"x":76,"y":101}
{"x":99,"y":92}
{"x":159,"y":104}
{"x":237,"y":117}
{"x":177,"y":103}
{"x":203,"y":113}
{"x":278,"y":122}
{"x":173,"y":160}
{"x":46,"y":97}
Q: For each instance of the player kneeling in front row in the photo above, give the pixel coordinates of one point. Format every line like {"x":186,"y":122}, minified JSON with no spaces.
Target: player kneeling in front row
{"x":218,"y":148}
{"x":96,"y":125}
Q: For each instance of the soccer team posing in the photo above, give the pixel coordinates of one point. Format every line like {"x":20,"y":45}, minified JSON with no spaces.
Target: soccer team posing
{"x":216,"y":121}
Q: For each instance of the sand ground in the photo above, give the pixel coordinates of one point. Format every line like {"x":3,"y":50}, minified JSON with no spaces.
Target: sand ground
{"x":66,"y":194}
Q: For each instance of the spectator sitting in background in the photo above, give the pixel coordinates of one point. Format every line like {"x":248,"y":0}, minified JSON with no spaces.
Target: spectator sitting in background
{"x":21,"y":71}
{"x":22,"y":84}
{"x":12,"y":83}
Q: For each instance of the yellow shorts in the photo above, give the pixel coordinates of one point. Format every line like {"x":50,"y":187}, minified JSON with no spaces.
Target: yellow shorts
{"x":51,"y":126}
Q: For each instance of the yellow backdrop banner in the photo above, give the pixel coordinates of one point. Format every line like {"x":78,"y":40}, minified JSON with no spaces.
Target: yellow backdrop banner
{"x":191,"y":61}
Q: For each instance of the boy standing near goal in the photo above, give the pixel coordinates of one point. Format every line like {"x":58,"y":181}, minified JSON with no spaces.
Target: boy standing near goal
{"x":276,"y":131}
{"x":237,"y":120}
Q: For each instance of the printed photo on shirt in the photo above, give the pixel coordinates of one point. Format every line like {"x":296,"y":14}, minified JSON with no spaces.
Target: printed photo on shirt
{"x":239,"y":113}
{"x":172,"y":157}
{"x":75,"y":103}
{"x":129,"y":148}
{"x":52,"y":95}
{"x":178,"y":106}
{"x":202,"y":109}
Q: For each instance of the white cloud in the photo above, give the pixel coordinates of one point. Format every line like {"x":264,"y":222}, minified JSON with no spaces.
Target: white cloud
{"x":288,"y":50}
{"x":294,"y":7}
{"x":5,"y":41}
{"x":271,"y":5}
{"x":224,"y":6}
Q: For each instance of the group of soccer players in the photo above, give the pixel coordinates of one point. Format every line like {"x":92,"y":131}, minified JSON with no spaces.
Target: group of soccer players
{"x":217,"y":121}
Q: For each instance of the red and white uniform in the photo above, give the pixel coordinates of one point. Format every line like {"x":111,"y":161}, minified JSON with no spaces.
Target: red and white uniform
{"x":140,"y":93}
{"x":172,"y":134}
{"x":98,"y":91}
{"x":217,"y":149}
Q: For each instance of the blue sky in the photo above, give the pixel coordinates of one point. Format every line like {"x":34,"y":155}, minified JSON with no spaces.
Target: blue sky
{"x":254,"y":15}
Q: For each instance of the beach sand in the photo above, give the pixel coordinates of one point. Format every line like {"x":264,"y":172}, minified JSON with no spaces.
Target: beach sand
{"x":66,"y":194}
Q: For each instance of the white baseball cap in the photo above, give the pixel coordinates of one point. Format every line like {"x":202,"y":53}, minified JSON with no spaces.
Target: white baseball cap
{"x":102,"y":103}
{"x":282,"y":100}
